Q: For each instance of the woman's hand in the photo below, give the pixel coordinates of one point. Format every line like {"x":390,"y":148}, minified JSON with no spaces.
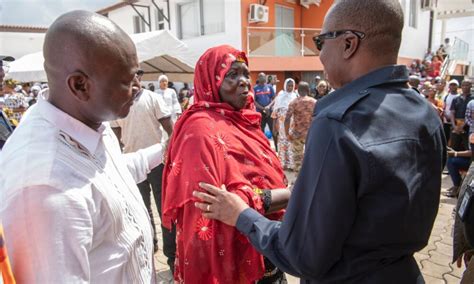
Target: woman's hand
{"x":219,"y":204}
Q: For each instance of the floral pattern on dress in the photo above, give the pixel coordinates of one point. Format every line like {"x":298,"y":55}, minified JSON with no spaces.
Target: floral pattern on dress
{"x":221,"y":142}
{"x":175,"y":167}
{"x":204,"y":229}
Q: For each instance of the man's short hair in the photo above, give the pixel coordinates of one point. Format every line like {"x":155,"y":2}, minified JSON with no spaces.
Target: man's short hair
{"x":380,"y":20}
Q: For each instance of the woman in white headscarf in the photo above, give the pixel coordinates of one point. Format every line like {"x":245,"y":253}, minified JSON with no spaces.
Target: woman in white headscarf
{"x":282,"y":101}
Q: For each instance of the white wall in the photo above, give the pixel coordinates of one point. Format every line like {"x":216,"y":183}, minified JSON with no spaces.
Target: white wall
{"x":415,"y":40}
{"x":231,"y":36}
{"x":19,"y":44}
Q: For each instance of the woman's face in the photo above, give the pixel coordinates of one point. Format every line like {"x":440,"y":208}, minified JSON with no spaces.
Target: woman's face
{"x":322,"y":89}
{"x":290,"y":86}
{"x":236,"y":85}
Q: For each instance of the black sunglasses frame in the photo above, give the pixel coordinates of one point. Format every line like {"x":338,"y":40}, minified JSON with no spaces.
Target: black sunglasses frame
{"x":319,"y":39}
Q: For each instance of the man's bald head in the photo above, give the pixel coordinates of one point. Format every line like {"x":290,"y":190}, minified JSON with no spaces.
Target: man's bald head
{"x":380,"y":20}
{"x":80,"y":39}
{"x":87,"y":59}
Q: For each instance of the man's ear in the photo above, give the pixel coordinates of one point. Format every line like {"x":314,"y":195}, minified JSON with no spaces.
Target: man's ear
{"x":351,"y":42}
{"x":79,"y":85}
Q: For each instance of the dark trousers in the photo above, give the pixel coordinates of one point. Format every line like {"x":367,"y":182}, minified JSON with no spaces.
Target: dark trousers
{"x":268,"y":120}
{"x":456,"y":164}
{"x":153,"y":183}
{"x":447,"y":131}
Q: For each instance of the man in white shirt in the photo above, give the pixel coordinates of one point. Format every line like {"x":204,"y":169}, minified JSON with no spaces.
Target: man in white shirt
{"x":70,"y":207}
{"x":170,"y":97}
{"x":448,"y":100}
{"x":141,"y":129}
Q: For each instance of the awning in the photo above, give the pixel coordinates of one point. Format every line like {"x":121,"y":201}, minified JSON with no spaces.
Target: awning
{"x":159,"y":52}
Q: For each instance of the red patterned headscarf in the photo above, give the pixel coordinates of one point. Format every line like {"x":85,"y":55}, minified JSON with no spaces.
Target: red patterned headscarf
{"x":214,"y":143}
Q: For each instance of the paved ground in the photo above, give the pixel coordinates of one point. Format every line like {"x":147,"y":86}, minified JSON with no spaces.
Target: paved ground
{"x":434,"y":260}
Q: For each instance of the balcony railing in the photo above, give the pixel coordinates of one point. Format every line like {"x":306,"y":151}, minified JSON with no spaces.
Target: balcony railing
{"x":460,"y":50}
{"x":271,"y":42}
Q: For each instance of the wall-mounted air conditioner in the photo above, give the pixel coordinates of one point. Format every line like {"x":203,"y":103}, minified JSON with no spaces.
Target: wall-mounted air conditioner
{"x":258,"y":13}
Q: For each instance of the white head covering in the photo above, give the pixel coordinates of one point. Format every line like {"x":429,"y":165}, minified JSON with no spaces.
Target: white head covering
{"x":162,"y":77}
{"x":284,"y":98}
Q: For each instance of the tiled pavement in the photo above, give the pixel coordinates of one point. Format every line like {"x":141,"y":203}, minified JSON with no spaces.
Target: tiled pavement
{"x":434,"y":260}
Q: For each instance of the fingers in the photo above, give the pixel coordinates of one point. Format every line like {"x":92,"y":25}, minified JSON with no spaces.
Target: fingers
{"x":205,"y":197}
{"x":205,"y":207}
{"x":211,"y":189}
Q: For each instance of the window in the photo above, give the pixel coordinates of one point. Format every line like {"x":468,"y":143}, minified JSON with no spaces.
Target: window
{"x":213,"y":15}
{"x":139,"y":25}
{"x":413,"y":17}
{"x":200,"y":17}
{"x":159,"y":20}
{"x":188,"y":15}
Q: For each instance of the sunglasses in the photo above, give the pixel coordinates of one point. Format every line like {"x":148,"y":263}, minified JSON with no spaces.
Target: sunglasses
{"x":319,"y":39}
{"x":140,"y":72}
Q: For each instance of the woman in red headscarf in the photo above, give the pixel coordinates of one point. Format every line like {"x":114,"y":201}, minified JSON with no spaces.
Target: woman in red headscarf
{"x":218,"y":141}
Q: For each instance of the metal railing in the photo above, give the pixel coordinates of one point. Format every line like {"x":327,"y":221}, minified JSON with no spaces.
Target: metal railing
{"x":271,"y":42}
{"x":459,"y":50}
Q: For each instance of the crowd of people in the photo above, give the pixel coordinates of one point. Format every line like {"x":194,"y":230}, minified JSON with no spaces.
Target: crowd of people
{"x":429,"y":67}
{"x":369,"y":156}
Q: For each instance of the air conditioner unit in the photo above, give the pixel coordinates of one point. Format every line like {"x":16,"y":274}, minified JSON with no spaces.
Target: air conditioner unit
{"x":258,"y":13}
{"x":306,"y":3}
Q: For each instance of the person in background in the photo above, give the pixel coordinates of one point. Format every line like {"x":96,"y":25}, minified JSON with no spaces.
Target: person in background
{"x":282,"y":101}
{"x":447,"y":101}
{"x":461,"y":152}
{"x":69,"y":196}
{"x":170,"y":97}
{"x":447,"y":47}
{"x":314,"y":86}
{"x":414,"y":82}
{"x":6,"y":274}
{"x":272,"y":81}
{"x":171,"y":86}
{"x":6,"y":128}
{"x":463,"y":231}
{"x":458,"y":114}
{"x":362,"y":204}
{"x":183,"y":97}
{"x":139,"y":130}
{"x":15,"y":101}
{"x":300,"y":112}
{"x":440,"y":85}
{"x":435,"y":70}
{"x":322,"y":89}
{"x":429,"y":92}
{"x":264,"y":99}
{"x":428,"y":55}
{"x":151,"y":87}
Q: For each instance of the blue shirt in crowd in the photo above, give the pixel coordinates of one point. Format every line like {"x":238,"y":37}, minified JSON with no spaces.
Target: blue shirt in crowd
{"x":368,"y":192}
{"x":264,"y":94}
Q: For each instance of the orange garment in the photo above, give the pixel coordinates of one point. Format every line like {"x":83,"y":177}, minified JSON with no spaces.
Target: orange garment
{"x":5,"y":268}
